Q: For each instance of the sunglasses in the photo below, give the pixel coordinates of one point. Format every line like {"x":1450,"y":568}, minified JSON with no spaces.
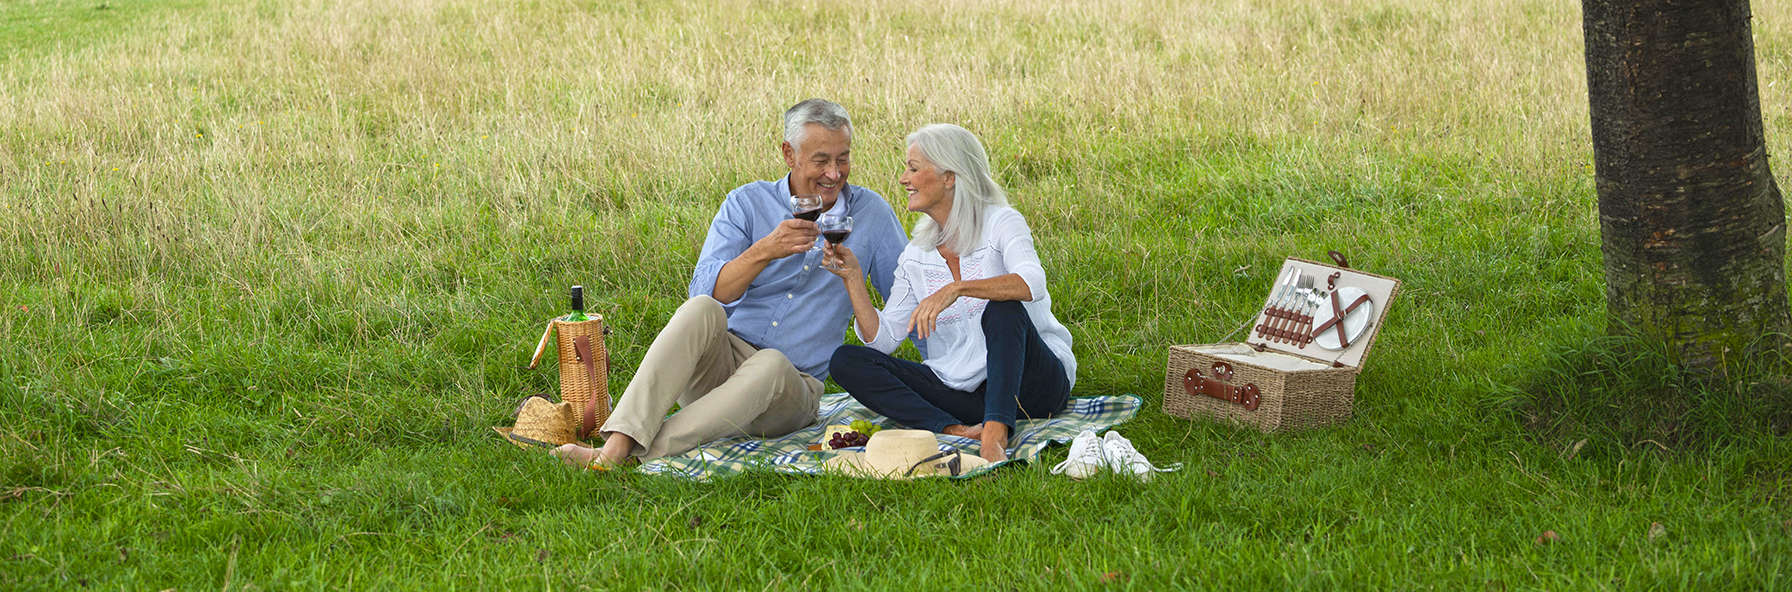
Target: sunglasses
{"x":953,"y":467}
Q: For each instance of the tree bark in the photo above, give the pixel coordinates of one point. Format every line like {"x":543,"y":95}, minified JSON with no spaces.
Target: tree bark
{"x":1692,"y":224}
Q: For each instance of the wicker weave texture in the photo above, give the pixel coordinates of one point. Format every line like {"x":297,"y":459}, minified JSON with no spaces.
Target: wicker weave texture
{"x":576,"y":383}
{"x":1290,"y":400}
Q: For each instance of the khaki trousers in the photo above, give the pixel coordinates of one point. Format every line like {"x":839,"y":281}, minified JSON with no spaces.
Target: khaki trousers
{"x":723,"y":385}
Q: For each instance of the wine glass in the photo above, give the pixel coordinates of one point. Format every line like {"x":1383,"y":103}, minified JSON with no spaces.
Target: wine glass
{"x":835,"y":228}
{"x":807,"y":207}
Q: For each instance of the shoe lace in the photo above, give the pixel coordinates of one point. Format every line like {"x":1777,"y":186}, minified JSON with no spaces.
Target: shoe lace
{"x":1122,"y":454}
{"x":1084,"y":451}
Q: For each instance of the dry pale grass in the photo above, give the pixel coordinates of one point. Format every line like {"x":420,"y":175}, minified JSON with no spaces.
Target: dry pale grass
{"x":206,"y":134}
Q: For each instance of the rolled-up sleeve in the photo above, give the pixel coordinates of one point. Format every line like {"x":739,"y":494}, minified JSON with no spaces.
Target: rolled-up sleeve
{"x":1015,"y":239}
{"x":728,"y":238}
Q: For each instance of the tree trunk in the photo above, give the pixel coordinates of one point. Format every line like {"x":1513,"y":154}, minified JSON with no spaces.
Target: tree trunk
{"x":1692,"y":223}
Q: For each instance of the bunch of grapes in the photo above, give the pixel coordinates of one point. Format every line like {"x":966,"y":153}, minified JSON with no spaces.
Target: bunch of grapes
{"x":865,"y":427}
{"x":846,"y":439}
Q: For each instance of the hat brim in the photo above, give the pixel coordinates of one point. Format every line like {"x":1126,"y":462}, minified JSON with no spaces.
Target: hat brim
{"x":526,"y":442}
{"x":857,"y":464}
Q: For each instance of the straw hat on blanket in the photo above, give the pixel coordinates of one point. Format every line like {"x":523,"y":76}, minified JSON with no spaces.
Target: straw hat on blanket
{"x":540,"y":422}
{"x":903,"y":454}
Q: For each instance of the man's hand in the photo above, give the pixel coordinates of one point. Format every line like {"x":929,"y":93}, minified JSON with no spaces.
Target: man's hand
{"x":927,"y":313}
{"x":792,"y":237}
{"x":789,"y":238}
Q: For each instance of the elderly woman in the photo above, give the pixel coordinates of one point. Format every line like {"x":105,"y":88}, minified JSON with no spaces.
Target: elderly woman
{"x":971,"y":286}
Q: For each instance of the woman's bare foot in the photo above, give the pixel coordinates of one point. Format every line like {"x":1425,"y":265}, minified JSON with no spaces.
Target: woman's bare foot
{"x":993,"y":454}
{"x":963,"y":431}
{"x":993,"y":441}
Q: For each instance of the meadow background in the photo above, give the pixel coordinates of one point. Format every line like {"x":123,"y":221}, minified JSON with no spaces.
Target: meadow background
{"x":269,"y":270}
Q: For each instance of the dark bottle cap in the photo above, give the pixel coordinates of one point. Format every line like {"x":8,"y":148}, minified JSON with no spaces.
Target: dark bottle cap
{"x":578,"y":298}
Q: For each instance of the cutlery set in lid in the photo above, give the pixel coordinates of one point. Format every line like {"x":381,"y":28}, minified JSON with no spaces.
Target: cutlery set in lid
{"x":1301,"y":310}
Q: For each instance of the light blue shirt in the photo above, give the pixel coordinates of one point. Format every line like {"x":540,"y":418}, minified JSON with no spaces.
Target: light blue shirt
{"x":795,"y":306}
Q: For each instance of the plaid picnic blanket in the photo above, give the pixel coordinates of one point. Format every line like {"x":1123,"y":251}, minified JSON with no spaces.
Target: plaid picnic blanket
{"x":791,"y":454}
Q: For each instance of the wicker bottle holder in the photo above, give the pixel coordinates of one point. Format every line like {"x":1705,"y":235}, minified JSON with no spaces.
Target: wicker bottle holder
{"x":584,"y":369}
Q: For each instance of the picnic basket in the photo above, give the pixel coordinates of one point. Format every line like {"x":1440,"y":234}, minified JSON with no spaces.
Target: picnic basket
{"x":584,"y":369}
{"x":1284,"y":381}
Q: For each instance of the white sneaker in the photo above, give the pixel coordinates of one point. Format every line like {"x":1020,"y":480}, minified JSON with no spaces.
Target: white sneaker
{"x":1086,"y":457}
{"x":1124,"y":459}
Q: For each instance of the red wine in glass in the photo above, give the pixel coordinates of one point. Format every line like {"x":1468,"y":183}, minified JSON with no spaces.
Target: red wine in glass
{"x":806,"y":207}
{"x":835,"y":228}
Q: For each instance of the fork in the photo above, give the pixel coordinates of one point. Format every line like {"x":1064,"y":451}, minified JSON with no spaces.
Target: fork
{"x":1315,"y":299}
{"x":1302,"y":317}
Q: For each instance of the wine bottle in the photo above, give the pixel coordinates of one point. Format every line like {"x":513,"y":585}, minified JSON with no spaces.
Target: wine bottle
{"x":578,"y":306}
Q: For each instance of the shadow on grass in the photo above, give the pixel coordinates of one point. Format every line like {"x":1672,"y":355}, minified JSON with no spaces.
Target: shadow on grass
{"x":1612,"y":395}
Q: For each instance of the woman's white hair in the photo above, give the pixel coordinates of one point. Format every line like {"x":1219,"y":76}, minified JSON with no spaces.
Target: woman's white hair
{"x":822,"y":112}
{"x":955,"y":150}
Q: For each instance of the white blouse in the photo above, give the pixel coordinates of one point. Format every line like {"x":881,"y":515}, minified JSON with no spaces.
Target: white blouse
{"x":956,"y":350}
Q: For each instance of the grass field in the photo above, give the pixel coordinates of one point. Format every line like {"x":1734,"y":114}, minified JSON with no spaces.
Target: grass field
{"x":269,"y":270}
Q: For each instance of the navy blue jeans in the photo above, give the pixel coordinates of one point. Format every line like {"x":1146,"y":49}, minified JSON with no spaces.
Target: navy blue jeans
{"x":1026,"y":380}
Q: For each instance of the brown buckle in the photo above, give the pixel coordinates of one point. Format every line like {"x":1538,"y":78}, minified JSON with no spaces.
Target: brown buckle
{"x":1220,"y":387}
{"x":1337,"y":320}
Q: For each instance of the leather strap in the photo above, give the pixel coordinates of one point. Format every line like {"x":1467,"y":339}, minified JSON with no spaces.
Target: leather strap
{"x":1219,"y":386}
{"x":582,"y":345}
{"x":1337,"y":320}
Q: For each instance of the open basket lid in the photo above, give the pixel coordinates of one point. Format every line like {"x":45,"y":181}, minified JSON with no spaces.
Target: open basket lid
{"x":1346,"y":311}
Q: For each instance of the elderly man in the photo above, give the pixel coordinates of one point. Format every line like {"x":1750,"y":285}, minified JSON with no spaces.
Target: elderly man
{"x":748,"y":352}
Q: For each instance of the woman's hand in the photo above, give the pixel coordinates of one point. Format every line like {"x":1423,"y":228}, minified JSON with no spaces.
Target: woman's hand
{"x":842,"y":262}
{"x":927,"y":313}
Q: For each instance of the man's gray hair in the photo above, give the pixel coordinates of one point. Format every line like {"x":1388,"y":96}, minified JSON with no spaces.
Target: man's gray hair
{"x":955,"y":150}
{"x":821,"y":112}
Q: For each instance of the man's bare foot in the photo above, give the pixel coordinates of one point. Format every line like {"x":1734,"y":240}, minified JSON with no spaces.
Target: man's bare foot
{"x":575,"y":455}
{"x":584,"y":456}
{"x":963,"y":431}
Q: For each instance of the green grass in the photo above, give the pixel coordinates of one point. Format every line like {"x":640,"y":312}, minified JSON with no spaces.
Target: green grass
{"x":269,"y":271}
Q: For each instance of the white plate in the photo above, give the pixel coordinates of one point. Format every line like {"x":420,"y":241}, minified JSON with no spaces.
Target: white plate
{"x":1356,"y":322}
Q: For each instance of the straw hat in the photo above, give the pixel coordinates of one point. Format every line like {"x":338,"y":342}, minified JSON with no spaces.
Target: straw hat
{"x":540,"y":422}
{"x":903,"y":454}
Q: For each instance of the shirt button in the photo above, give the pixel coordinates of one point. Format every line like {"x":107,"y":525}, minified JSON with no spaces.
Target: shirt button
{"x":774,"y":323}
{"x":789,"y":296}
{"x":805,"y":268}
